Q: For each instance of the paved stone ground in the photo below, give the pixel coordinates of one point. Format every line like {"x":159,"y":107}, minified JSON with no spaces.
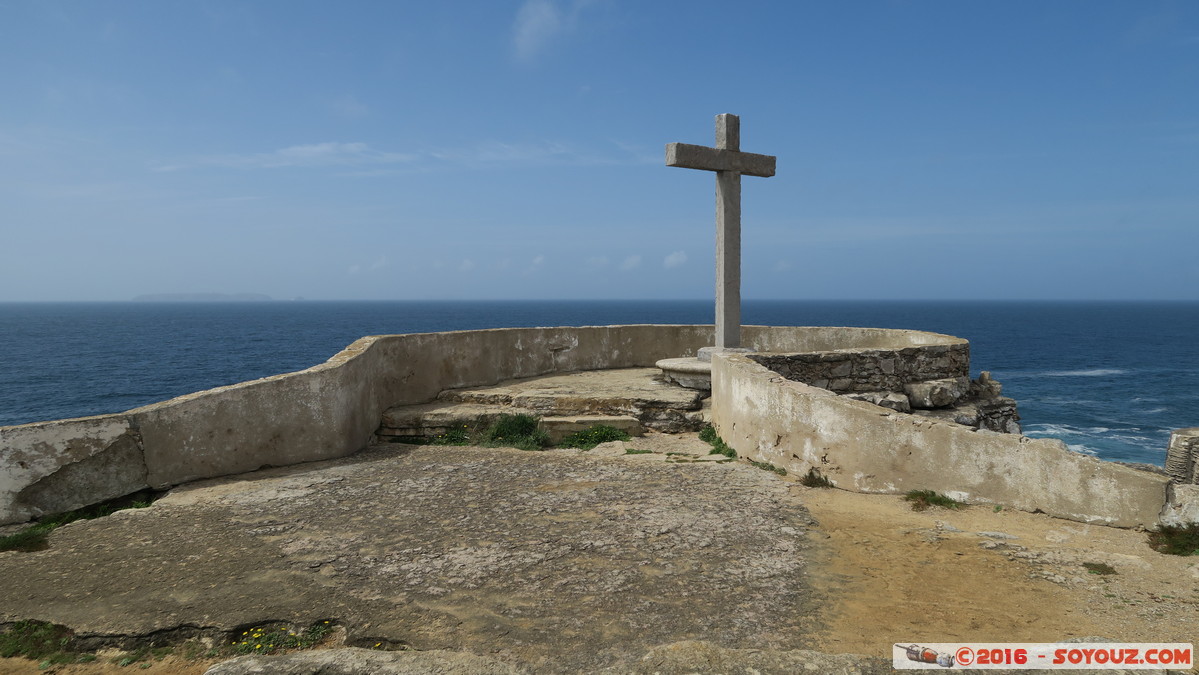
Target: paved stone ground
{"x":552,"y":561}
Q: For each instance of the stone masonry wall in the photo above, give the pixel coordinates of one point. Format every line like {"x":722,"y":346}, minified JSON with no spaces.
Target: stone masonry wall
{"x":1182,"y":457}
{"x":871,"y":370}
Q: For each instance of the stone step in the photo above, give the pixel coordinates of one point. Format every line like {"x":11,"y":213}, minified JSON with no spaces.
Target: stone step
{"x":434,"y":419}
{"x":632,"y":399}
{"x":438,"y":417}
{"x":620,"y":392}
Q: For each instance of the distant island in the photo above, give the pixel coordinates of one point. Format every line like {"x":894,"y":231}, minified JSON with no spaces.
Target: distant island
{"x":203,"y":297}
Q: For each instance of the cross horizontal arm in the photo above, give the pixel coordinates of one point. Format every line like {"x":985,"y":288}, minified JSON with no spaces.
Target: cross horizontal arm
{"x":690,"y":156}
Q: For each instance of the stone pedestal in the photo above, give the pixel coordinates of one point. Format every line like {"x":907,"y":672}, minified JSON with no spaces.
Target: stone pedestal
{"x":695,"y":373}
{"x":687,"y":372}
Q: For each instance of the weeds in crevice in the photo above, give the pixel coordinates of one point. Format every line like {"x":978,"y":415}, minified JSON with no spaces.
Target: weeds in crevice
{"x":593,"y":436}
{"x":507,"y":431}
{"x":36,"y":536}
{"x":275,"y":638}
{"x":40,"y":641}
{"x":815,"y":480}
{"x":1175,"y":539}
{"x":719,"y":447}
{"x":516,"y":431}
{"x":923,"y":499}
{"x":637,"y":451}
{"x":769,"y":467}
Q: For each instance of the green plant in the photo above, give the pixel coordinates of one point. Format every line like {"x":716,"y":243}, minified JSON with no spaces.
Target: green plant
{"x":922,"y":499}
{"x":719,"y":447}
{"x":997,"y":508}
{"x":593,"y":436}
{"x":515,"y":431}
{"x":36,"y":537}
{"x":635,"y":451}
{"x":38,"y":640}
{"x":1175,"y":539}
{"x":1102,"y":569}
{"x":272,"y":639}
{"x":815,"y":480}
{"x":769,"y":467}
{"x":453,"y":436}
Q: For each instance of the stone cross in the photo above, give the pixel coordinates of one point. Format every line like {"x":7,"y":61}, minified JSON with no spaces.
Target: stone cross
{"x":727,"y":160}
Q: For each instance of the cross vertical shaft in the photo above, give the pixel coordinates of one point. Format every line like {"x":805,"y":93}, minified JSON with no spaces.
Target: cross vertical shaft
{"x":728,"y":238}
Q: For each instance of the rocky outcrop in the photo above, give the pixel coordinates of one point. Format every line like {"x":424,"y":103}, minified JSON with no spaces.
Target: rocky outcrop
{"x":979,"y":405}
{"x":937,"y":393}
{"x":1182,"y":505}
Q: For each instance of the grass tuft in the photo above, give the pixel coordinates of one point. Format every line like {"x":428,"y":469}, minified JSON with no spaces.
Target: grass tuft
{"x":453,"y":436}
{"x":636,"y":451}
{"x":38,"y":640}
{"x":508,"y":431}
{"x":1102,"y":569}
{"x":1176,"y":540}
{"x":516,"y":431}
{"x":815,"y":480}
{"x":719,"y":447}
{"x":922,"y":499}
{"x":36,"y":537}
{"x":593,"y":436}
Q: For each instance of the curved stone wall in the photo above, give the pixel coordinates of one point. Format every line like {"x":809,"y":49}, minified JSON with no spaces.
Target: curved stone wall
{"x":332,"y":409}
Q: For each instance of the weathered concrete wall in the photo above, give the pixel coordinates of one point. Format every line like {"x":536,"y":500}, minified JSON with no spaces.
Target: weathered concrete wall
{"x":332,"y":409}
{"x":862,"y":447}
{"x":323,"y":412}
{"x":59,"y":466}
{"x":845,"y":371}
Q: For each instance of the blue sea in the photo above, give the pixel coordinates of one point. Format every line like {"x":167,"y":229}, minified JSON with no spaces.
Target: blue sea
{"x":1109,"y":379}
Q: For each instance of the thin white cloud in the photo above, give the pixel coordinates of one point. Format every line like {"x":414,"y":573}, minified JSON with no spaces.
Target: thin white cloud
{"x":312,"y":155}
{"x":782,"y":266}
{"x":597,"y":261}
{"x":354,"y":269}
{"x":368,"y":161}
{"x":496,"y":152}
{"x":466,"y":265}
{"x":674,"y":260}
{"x":630,"y":262}
{"x":537,"y":22}
{"x":541,"y":22}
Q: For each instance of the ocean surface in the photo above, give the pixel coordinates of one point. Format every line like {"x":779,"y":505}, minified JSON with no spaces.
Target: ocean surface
{"x":1109,"y":379}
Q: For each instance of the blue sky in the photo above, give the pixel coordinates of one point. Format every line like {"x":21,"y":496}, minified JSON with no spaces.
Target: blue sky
{"x":492,"y":149}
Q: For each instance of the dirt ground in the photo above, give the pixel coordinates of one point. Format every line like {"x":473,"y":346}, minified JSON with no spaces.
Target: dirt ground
{"x":979,"y":575}
{"x":889,"y":574}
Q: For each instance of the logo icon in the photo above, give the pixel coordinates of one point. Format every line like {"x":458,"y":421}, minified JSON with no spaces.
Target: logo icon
{"x":925,"y":655}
